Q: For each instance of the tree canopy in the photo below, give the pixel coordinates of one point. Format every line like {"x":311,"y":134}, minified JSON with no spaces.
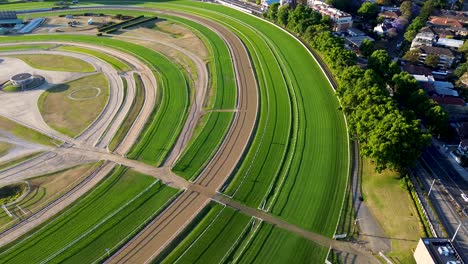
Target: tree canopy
{"x":368,"y":10}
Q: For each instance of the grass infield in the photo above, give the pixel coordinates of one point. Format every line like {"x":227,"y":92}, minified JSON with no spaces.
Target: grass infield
{"x":63,"y":110}
{"x":51,"y":62}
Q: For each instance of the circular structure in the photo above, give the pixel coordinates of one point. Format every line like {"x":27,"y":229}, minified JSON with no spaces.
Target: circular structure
{"x":22,"y":79}
{"x":73,"y":95}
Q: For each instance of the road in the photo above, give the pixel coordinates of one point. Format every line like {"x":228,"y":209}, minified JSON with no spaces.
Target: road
{"x":448,"y":186}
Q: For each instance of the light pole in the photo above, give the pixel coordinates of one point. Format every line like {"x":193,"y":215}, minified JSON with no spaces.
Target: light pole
{"x":430,"y":189}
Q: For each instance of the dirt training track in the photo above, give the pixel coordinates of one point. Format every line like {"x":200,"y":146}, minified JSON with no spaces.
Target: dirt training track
{"x":159,"y":233}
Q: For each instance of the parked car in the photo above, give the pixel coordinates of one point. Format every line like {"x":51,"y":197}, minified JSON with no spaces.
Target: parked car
{"x":465,"y":198}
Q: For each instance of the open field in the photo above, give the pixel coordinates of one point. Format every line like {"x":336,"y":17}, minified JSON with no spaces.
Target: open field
{"x":204,"y":145}
{"x":56,"y":63}
{"x":44,"y":189}
{"x":137,"y":104}
{"x":85,"y":230}
{"x":70,"y":108}
{"x":4,"y":147}
{"x":25,"y":133}
{"x":116,"y":63}
{"x":398,"y":218}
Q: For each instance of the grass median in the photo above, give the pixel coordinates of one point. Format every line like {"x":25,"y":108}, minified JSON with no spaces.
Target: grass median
{"x":52,"y":62}
{"x":113,"y":61}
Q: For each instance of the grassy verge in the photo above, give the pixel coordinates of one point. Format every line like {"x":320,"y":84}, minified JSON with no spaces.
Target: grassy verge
{"x":103,"y":219}
{"x":4,"y":147}
{"x":70,"y":108}
{"x":131,"y":116}
{"x":44,"y":189}
{"x":116,"y":63}
{"x":398,"y":218}
{"x":52,"y":62}
{"x":25,"y":133}
{"x":202,"y":149}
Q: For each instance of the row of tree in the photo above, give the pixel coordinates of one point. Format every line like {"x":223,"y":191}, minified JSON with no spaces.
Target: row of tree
{"x":388,"y":128}
{"x":420,"y":21}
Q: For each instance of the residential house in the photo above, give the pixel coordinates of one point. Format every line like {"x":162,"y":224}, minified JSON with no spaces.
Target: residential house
{"x":267,"y":3}
{"x":382,"y":29}
{"x":341,"y":20}
{"x":354,"y":32}
{"x":447,"y":57}
{"x":444,"y":22}
{"x":425,"y":37}
{"x":448,"y":100}
{"x":389,"y":14}
{"x":449,"y":43}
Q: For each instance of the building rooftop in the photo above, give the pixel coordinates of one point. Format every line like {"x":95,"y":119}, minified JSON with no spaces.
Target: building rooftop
{"x":442,"y":250}
{"x":452,"y":43}
{"x":436,"y":50}
{"x":445,"y":21}
{"x":416,"y":69}
{"x":389,"y":14}
{"x":357,"y":41}
{"x":448,"y":100}
{"x":4,"y":15}
{"x":327,"y":9}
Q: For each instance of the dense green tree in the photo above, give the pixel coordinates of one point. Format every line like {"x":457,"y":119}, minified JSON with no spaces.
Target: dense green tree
{"x":404,"y":85}
{"x":273,"y":11}
{"x":464,"y":48}
{"x":368,"y":10}
{"x":432,"y":60}
{"x":461,"y":69}
{"x":406,"y":9}
{"x":297,"y":17}
{"x":412,"y":55}
{"x":437,"y":120}
{"x":283,"y":15}
{"x":367,"y":47}
{"x":420,"y":21}
{"x":379,"y":62}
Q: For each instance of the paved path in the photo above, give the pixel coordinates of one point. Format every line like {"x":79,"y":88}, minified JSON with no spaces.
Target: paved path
{"x":370,"y":230}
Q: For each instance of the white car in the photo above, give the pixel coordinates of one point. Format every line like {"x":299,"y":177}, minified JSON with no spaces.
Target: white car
{"x":465,"y":198}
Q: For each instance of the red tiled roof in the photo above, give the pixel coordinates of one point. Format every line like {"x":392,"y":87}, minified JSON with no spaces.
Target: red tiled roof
{"x":445,"y":21}
{"x":449,"y":100}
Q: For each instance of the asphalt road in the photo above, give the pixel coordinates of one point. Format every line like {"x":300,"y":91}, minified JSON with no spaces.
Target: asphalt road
{"x":448,"y":185}
{"x":442,"y":170}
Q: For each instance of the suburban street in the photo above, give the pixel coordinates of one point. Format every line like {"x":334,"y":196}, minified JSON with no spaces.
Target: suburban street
{"x":445,"y":195}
